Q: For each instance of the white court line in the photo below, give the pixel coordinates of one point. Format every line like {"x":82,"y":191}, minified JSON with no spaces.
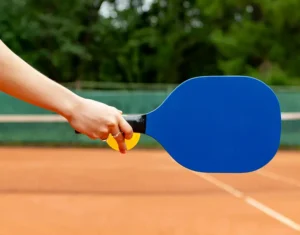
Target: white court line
{"x":250,"y":201}
{"x":272,"y":213}
{"x":274,"y":176}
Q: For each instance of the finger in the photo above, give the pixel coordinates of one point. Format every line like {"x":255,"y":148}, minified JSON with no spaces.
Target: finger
{"x":92,"y":136}
{"x":101,"y":136}
{"x":125,"y":128}
{"x":118,"y":136}
{"x":104,"y":136}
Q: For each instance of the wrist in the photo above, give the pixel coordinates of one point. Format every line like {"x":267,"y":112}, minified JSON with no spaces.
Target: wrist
{"x":68,"y":107}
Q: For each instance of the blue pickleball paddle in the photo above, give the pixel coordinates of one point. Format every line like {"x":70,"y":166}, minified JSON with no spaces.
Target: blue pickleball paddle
{"x":216,"y":124}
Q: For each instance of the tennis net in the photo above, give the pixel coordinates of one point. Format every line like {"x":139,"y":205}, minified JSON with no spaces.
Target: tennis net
{"x":48,"y":130}
{"x":37,"y":129}
{"x":55,"y":130}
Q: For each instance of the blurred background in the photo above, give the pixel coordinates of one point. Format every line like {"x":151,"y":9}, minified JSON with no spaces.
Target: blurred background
{"x":131,"y":54}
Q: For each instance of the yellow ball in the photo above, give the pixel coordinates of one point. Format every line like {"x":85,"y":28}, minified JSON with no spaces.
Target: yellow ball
{"x":129,"y":143}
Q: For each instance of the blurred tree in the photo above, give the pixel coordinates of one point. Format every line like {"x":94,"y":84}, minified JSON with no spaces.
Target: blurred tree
{"x":155,"y":41}
{"x":258,"y":37}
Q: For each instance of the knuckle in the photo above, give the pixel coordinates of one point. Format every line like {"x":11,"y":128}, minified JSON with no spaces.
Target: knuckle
{"x":120,"y":138}
{"x":104,"y":130}
{"x":103,"y":135}
{"x":116,"y":110}
{"x":112,"y":122}
{"x":128,"y":135}
{"x":103,"y":138}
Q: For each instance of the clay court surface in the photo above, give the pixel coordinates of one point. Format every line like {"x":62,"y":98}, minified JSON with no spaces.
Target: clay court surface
{"x":47,"y":191}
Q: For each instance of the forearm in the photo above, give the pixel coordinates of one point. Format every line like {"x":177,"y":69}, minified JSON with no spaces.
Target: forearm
{"x":19,"y":79}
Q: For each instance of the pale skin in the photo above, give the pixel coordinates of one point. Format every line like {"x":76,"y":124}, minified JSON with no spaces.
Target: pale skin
{"x":92,"y":118}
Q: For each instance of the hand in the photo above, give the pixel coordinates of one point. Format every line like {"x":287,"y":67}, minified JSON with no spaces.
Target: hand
{"x":98,"y":120}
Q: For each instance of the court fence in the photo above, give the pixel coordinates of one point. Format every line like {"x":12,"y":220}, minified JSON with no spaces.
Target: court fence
{"x":24,"y":124}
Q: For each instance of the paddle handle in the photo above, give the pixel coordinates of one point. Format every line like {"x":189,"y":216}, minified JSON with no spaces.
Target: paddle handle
{"x":136,"y":121}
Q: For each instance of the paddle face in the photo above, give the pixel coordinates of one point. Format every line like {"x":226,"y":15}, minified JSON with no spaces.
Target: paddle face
{"x":218,"y":124}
